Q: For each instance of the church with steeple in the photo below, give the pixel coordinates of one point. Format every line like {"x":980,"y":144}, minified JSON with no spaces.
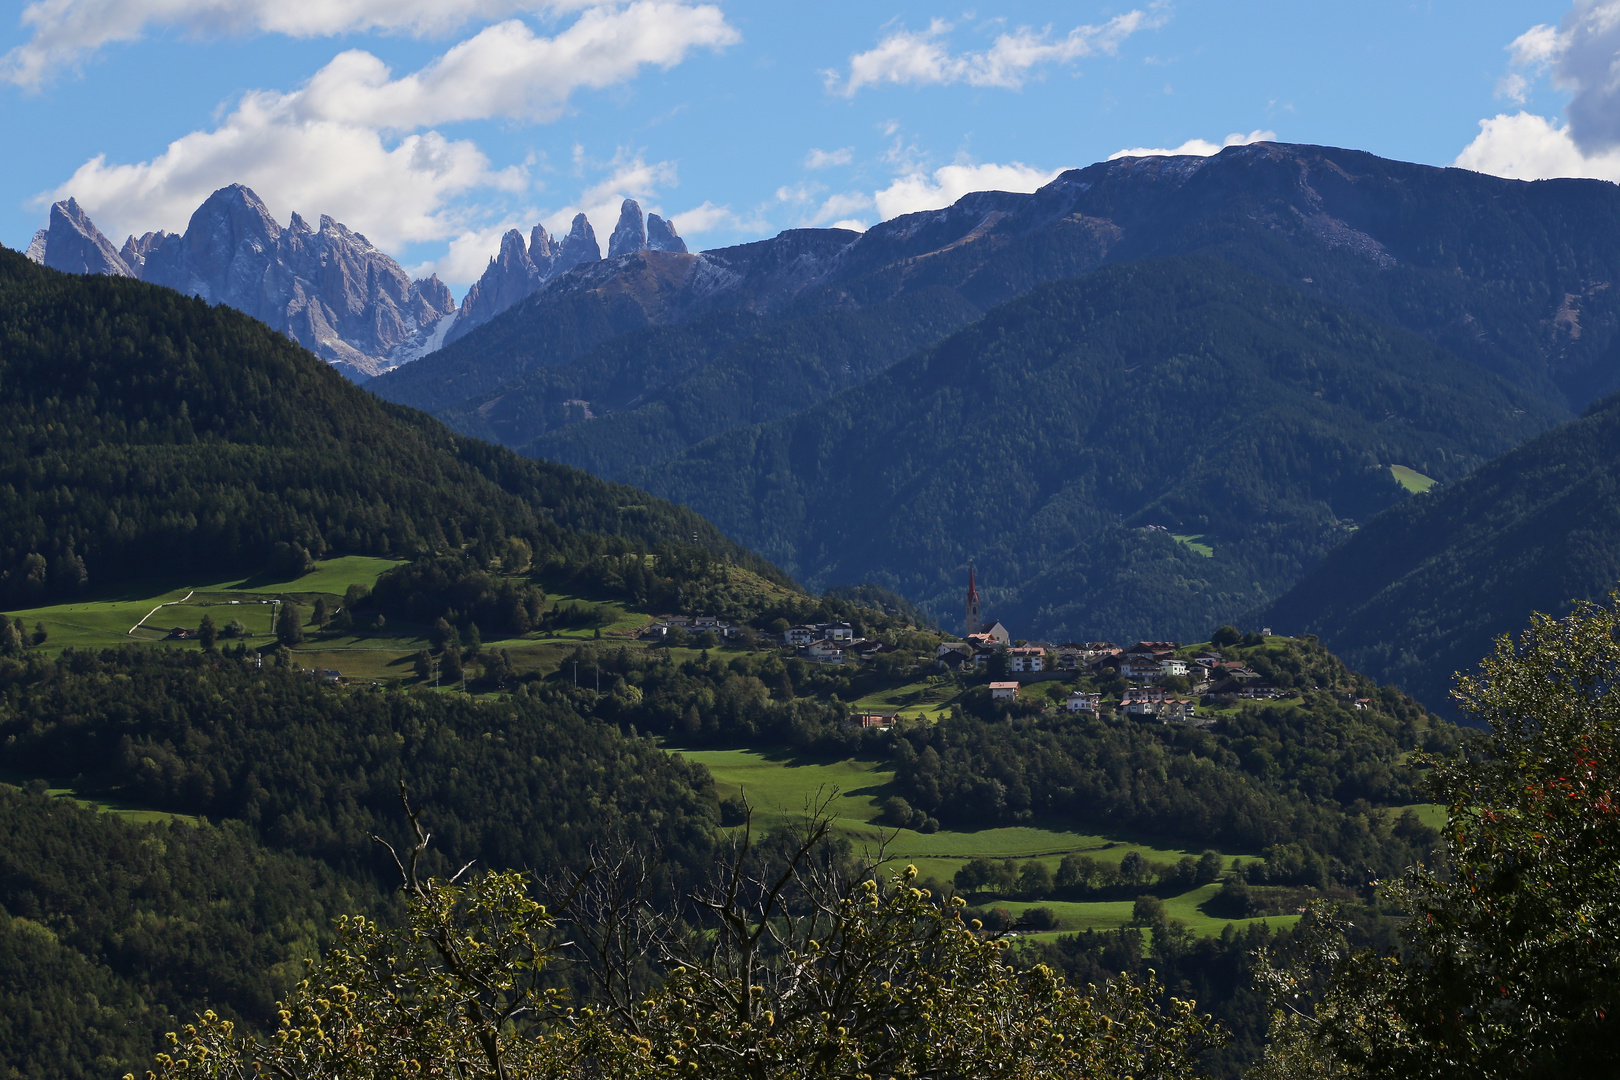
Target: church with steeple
{"x":975,"y":624}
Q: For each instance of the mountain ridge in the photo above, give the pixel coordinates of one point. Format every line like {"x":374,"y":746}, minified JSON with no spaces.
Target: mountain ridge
{"x":1422,"y":590}
{"x":1062,"y":440}
{"x":192,"y":437}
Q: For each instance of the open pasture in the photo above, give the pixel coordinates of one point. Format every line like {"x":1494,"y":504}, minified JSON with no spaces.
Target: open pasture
{"x":780,"y":786}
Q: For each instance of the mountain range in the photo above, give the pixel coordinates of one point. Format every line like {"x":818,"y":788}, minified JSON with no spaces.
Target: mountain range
{"x":658,"y":368}
{"x":330,"y":289}
{"x":1272,"y":329}
{"x":1143,"y":452}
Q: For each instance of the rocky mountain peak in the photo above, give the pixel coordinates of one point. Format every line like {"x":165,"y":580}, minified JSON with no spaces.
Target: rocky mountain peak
{"x":435,"y":292}
{"x":579,"y":247}
{"x":331,"y":290}
{"x":631,"y":233}
{"x":661,"y":235}
{"x":36,"y":247}
{"x":515,"y":272}
{"x":510,"y":276}
{"x":73,"y":243}
{"x":542,"y":246}
{"x":135,"y":250}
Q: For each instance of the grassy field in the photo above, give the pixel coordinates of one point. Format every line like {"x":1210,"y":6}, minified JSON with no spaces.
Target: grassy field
{"x":780,"y":786}
{"x":1433,"y":815}
{"x":1112,"y":914}
{"x":101,"y":803}
{"x":1194,"y":543}
{"x":928,"y":698}
{"x":146,"y":614}
{"x":1411,"y":479}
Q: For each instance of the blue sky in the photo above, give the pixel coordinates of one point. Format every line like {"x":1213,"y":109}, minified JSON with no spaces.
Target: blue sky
{"x":432,"y":125}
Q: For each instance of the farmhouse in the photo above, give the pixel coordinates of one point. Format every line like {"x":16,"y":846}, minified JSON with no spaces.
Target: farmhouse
{"x":1003,"y":691}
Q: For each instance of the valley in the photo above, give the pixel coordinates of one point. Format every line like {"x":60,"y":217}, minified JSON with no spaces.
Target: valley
{"x":1238,"y":459}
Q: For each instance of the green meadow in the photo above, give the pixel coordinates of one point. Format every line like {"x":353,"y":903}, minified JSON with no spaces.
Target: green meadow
{"x":105,"y":804}
{"x":147,"y":614}
{"x":1411,"y":479}
{"x":1194,"y":543}
{"x":781,"y":786}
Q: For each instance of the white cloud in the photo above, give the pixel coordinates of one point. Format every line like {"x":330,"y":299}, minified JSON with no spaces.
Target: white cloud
{"x":64,"y":32}
{"x":629,"y":176}
{"x":709,"y":218}
{"x":392,"y":194}
{"x":853,"y":224}
{"x":1583,"y":57}
{"x":921,"y":58}
{"x":1514,"y":87}
{"x":703,"y":219}
{"x":1536,"y":47}
{"x":508,"y":70}
{"x":321,"y":148}
{"x":840,"y":206}
{"x":824,"y":159}
{"x":1197,"y":147}
{"x":920,"y":191}
{"x":1529,"y":147}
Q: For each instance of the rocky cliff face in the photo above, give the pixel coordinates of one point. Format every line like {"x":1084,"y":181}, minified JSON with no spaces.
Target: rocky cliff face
{"x":327,"y":288}
{"x":661,"y":235}
{"x":517,"y":272}
{"x":630,"y":235}
{"x":74,"y":244}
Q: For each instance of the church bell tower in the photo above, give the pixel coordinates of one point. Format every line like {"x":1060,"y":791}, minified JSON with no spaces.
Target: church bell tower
{"x":974,"y":623}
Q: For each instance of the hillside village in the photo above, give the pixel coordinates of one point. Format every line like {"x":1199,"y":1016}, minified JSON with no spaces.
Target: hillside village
{"x":1148,"y":680}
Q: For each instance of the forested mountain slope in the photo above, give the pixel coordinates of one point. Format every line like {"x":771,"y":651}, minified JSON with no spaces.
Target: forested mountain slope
{"x":112,"y":934}
{"x":1421,"y":591}
{"x":654,"y":393}
{"x":1514,"y":277}
{"x":152,"y":434}
{"x":1047,"y":439}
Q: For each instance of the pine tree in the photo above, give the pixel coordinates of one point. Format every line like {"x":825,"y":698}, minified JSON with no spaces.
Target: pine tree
{"x":290,"y":625}
{"x":207,"y":632}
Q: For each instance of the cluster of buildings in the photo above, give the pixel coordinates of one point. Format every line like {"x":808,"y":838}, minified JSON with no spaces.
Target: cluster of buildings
{"x":1147,"y":665}
{"x":663,"y":625}
{"x":832,"y":643}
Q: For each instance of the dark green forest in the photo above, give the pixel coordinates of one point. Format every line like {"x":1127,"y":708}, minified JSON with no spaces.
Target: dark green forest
{"x":1063,"y":441}
{"x":111,"y":934}
{"x":1423,"y":589}
{"x":298,"y":774}
{"x":654,"y":393}
{"x":152,"y":435}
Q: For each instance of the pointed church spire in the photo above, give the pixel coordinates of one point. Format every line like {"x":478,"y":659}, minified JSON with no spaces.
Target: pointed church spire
{"x":973,"y":623}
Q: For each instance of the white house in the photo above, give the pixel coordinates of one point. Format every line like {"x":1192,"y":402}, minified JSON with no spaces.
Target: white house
{"x":1081,"y":702}
{"x":823,"y":652}
{"x":1003,"y":691}
{"x":1027,"y":657}
{"x":801,"y":635}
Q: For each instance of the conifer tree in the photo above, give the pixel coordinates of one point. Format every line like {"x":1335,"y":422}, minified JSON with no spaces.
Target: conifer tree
{"x":290,"y":625}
